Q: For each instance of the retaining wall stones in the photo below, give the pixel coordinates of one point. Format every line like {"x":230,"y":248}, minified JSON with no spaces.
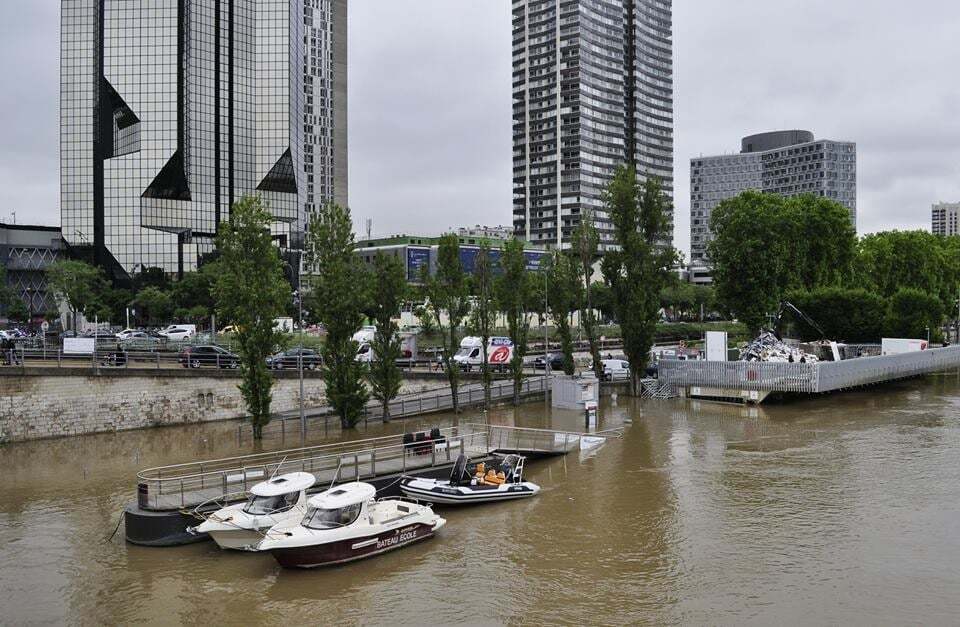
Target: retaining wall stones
{"x":36,"y":405}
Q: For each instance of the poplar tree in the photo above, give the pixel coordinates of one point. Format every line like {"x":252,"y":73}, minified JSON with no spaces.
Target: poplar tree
{"x":638,"y":270}
{"x":515,"y":295}
{"x":484,"y":313}
{"x":389,"y":291}
{"x":250,"y":291}
{"x":563,"y":281}
{"x":337,"y":296}
{"x":586,"y":242}
{"x":447,"y":295}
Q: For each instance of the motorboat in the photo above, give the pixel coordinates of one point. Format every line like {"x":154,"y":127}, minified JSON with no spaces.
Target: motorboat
{"x":347,"y":523}
{"x":488,"y":482}
{"x":241,"y":526}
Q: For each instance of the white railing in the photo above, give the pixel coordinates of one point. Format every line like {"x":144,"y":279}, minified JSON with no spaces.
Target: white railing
{"x":806,"y":378}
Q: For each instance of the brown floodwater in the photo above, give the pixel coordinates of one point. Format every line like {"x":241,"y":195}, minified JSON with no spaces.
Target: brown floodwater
{"x":842,"y":509}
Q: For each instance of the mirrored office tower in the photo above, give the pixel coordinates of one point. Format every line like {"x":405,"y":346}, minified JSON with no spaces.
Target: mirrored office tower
{"x":592,"y":89}
{"x":171,"y":110}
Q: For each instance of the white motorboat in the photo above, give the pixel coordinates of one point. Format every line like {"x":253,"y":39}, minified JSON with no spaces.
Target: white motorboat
{"x":503,"y":482}
{"x":271,"y":502}
{"x":346,"y":523}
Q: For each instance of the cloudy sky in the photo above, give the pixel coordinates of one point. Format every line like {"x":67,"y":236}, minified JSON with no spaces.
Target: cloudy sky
{"x":430,"y":96}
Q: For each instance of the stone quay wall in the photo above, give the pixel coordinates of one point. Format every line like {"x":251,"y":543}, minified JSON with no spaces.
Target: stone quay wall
{"x":37,"y":403}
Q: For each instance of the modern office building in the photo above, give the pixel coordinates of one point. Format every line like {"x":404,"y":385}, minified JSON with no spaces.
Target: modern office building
{"x":592,"y":89}
{"x":419,"y":251}
{"x":26,"y":251}
{"x":789,"y":163}
{"x":944,"y":218}
{"x":171,"y":110}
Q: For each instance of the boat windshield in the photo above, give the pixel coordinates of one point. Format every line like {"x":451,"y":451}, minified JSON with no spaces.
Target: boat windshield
{"x":319,"y":518}
{"x":262,"y":505}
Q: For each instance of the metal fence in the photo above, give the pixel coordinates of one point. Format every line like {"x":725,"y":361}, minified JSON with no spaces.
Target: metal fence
{"x":806,"y":378}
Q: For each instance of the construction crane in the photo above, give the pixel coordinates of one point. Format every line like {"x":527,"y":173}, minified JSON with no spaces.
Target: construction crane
{"x":784,"y":305}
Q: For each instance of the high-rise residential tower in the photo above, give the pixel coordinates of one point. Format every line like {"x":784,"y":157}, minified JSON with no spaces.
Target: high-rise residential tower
{"x":788,"y":163}
{"x":944,"y":218}
{"x":592,"y":89}
{"x":171,"y":110}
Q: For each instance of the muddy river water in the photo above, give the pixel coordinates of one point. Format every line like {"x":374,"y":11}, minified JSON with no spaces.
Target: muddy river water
{"x":843,"y":509}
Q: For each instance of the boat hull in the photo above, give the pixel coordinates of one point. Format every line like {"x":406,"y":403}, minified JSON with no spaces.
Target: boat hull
{"x":447,"y":496}
{"x":351,"y":549}
{"x":237,"y":539}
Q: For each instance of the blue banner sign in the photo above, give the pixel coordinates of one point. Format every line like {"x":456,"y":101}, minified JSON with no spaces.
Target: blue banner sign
{"x":417,"y":258}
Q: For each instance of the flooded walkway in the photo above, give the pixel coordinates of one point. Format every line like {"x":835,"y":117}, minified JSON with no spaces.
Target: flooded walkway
{"x":842,"y":509}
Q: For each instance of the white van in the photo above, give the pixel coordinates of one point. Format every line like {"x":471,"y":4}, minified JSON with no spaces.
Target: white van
{"x":179,"y":332}
{"x":615,"y":369}
{"x":499,"y":353}
{"x":408,"y":347}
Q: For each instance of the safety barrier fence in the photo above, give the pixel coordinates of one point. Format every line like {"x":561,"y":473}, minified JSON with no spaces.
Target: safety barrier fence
{"x":807,"y":378}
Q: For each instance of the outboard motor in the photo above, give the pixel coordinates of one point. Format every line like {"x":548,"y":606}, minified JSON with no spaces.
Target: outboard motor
{"x":459,"y":472}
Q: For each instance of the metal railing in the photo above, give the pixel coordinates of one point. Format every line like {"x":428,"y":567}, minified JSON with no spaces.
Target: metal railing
{"x":187,"y":485}
{"x":824,"y":376}
{"x":412,"y":404}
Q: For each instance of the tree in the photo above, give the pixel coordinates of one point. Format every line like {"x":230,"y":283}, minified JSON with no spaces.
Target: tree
{"x":389,"y":292}
{"x":484,"y":313}
{"x":250,"y":292}
{"x":911,"y":313}
{"x":192,"y":293}
{"x":889,"y":261}
{"x":154,"y":305}
{"x":76,"y":283}
{"x":586,"y":242}
{"x":515,"y":298}
{"x":824,"y":241}
{"x":848,"y":315}
{"x":564,"y":296}
{"x":638,"y":270}
{"x":17,"y":311}
{"x":447,"y":295}
{"x":338,"y":296}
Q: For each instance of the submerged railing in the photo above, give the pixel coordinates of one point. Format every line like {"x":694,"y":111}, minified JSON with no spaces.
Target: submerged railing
{"x":806,"y":378}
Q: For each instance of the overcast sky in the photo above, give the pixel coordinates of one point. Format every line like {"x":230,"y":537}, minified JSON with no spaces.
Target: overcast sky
{"x":430,"y":143}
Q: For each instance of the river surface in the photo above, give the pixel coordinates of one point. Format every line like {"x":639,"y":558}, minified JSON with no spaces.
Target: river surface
{"x":839,"y":510}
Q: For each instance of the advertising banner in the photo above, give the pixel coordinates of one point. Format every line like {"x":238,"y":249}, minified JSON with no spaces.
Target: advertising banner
{"x":417,"y":258}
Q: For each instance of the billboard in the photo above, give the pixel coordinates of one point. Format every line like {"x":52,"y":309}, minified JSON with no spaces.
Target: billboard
{"x":417,"y":258}
{"x":533,"y":260}
{"x":468,"y":258}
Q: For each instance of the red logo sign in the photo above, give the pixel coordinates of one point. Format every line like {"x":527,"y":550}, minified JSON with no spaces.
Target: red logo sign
{"x":500,"y":355}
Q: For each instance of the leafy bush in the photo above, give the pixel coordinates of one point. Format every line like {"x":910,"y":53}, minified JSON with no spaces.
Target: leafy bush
{"x":846,"y":315}
{"x":911,"y":312}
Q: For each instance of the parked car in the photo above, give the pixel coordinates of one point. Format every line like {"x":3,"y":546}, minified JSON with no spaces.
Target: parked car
{"x":615,"y":369}
{"x":139,"y":340}
{"x":207,"y":355}
{"x":288,"y":359}
{"x":556,"y":361}
{"x":126,"y":333}
{"x":176,"y":335}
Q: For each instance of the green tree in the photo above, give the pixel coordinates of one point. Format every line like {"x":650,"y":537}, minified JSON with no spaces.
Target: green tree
{"x":250,"y":292}
{"x":447,"y":295}
{"x":154,"y":305}
{"x":484,"y":313}
{"x":338,"y":297}
{"x":77,"y":283}
{"x":17,"y":311}
{"x":750,"y":255}
{"x":515,"y":295}
{"x":564,"y":296}
{"x":911,"y":313}
{"x":889,"y":261}
{"x":389,"y":292}
{"x":192,"y":294}
{"x":638,"y":270}
{"x":848,"y":315}
{"x":586,"y":243}
{"x":822,"y":239}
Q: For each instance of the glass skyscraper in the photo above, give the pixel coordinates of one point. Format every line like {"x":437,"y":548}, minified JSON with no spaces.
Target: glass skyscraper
{"x":592,"y":89}
{"x":171,"y":110}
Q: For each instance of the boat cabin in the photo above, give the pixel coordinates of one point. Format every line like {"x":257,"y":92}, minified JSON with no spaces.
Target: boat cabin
{"x":278,"y":494}
{"x":338,"y":507}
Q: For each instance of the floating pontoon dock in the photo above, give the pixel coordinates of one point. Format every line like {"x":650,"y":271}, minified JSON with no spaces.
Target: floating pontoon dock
{"x":166,"y":495}
{"x":753,"y":382}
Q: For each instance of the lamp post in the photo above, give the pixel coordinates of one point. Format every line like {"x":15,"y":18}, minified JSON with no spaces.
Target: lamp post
{"x":303,"y":419}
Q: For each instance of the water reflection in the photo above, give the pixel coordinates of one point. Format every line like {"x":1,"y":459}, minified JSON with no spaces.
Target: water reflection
{"x":841,"y":508}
